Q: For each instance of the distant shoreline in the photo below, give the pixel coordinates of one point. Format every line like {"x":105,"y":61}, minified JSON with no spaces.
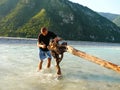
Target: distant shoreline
{"x":19,"y":40}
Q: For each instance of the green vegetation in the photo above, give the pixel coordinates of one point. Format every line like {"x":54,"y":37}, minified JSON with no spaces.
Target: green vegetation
{"x":109,"y":16}
{"x":117,"y":21}
{"x":115,"y":18}
{"x":71,"y":21}
{"x":6,"y":7}
{"x":32,"y":28}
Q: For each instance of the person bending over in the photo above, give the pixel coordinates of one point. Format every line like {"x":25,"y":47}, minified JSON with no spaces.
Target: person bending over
{"x":44,"y":38}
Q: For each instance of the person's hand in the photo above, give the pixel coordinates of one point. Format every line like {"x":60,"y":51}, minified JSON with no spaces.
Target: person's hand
{"x":43,"y":46}
{"x":57,"y":39}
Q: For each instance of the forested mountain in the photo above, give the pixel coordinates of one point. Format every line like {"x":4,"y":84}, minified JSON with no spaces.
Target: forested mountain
{"x":6,"y":6}
{"x":109,"y":16}
{"x":71,"y":21}
{"x":112,"y":17}
{"x":117,"y":21}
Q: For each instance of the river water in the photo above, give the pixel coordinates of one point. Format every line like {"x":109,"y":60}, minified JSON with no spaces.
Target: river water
{"x":19,"y":59}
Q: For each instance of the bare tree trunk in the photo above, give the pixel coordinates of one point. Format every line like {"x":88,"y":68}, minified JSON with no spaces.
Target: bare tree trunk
{"x":94,"y":59}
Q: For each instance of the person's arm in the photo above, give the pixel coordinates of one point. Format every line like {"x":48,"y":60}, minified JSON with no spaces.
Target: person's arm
{"x":41,"y":45}
{"x":56,"y":39}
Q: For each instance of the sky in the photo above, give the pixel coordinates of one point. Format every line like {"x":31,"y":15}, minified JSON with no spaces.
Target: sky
{"x":108,"y":6}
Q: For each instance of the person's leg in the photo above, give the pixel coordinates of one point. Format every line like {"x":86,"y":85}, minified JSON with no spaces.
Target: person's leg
{"x":40,"y":65}
{"x":49,"y":59}
{"x":41,"y":57}
{"x":49,"y":63}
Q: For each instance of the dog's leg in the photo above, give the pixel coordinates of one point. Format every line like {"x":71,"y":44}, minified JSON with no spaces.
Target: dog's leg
{"x":60,"y":57}
{"x":58,"y":67}
{"x":56,"y":58}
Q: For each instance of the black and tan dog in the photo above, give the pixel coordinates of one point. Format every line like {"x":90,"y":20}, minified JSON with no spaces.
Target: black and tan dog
{"x":57,"y":51}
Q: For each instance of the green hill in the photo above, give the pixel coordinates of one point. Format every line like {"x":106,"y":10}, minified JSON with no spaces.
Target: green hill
{"x":6,"y":7}
{"x":115,"y":18}
{"x":117,"y":21}
{"x":71,"y":21}
{"x":109,"y":16}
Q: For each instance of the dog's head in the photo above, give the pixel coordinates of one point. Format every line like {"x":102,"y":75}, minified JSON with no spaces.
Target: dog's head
{"x":56,"y":47}
{"x":52,"y":45}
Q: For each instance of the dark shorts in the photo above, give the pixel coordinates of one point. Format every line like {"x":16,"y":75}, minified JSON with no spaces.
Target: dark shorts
{"x":44,"y":54}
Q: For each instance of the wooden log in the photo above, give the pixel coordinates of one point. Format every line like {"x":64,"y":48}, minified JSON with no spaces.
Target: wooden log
{"x":93,"y":59}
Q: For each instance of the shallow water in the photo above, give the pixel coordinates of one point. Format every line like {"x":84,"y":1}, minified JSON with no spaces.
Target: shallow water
{"x":18,"y":64}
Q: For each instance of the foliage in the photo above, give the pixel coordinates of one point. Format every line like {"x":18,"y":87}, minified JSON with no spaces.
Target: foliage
{"x":71,"y":21}
{"x":117,"y":21}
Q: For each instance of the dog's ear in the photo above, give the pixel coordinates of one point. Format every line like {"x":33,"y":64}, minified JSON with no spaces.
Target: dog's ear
{"x":55,"y":44}
{"x":64,"y":43}
{"x":52,"y":40}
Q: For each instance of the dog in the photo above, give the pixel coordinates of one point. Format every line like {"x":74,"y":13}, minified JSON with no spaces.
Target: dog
{"x":57,"y":51}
